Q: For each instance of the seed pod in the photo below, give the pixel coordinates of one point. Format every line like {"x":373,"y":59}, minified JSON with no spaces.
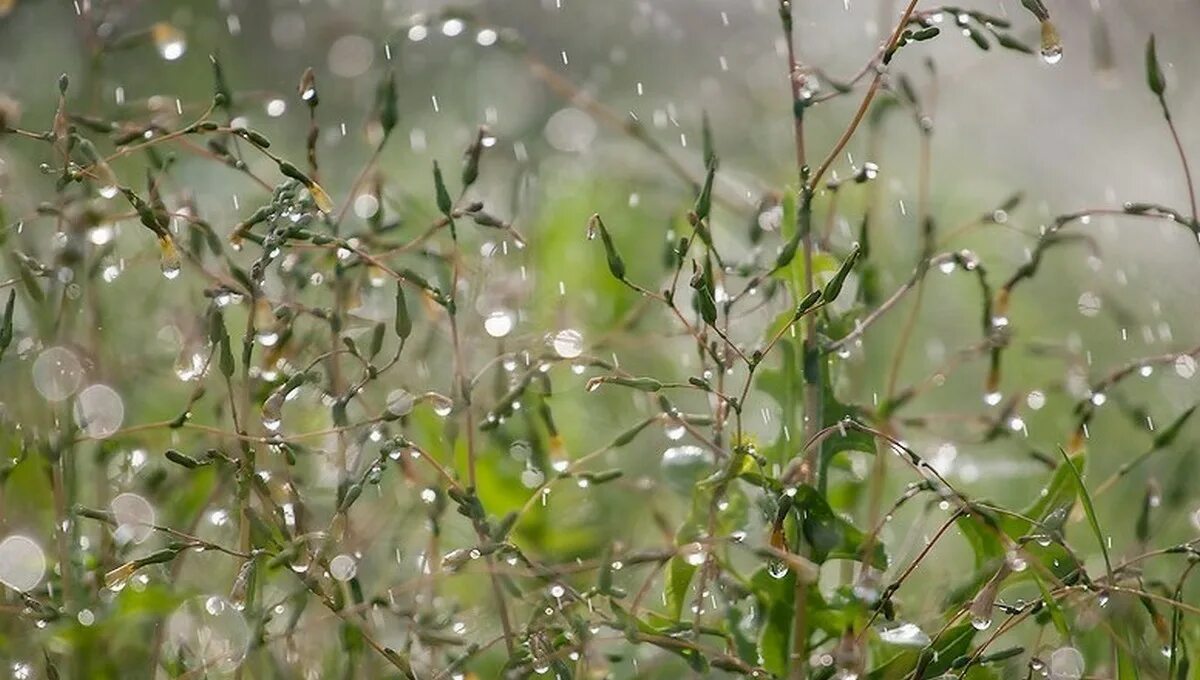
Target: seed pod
{"x":226,"y":362}
{"x":444,"y":203}
{"x":222,"y":95}
{"x":6,"y":324}
{"x":615,"y":264}
{"x":808,"y":303}
{"x":255,"y":137}
{"x":1154,"y":75}
{"x":471,"y":157}
{"x":834,"y":287}
{"x":308,"y":88}
{"x":386,"y":103}
{"x":403,"y":323}
{"x":183,"y":459}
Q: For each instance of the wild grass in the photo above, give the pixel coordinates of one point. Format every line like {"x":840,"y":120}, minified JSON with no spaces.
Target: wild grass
{"x":369,"y":461}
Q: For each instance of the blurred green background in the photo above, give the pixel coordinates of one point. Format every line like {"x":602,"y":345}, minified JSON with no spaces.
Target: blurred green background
{"x":1083,"y":133}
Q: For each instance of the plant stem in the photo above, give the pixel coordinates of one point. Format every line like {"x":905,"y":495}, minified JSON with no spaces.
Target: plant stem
{"x":798,"y":659}
{"x":1187,"y":171}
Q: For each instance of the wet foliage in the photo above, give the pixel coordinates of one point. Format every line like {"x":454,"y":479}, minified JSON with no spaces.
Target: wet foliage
{"x":406,"y":429}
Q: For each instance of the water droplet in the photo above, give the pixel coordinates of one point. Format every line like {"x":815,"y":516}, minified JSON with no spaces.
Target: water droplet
{"x":1089,"y":304}
{"x":170,"y":41}
{"x":57,"y":373}
{"x":981,"y":622}
{"x":684,"y":466}
{"x":400,"y":402}
{"x":907,"y":634}
{"x":532,"y":478}
{"x":1036,"y":400}
{"x":1066,"y":663}
{"x":499,"y":323}
{"x":343,"y":567}
{"x":22,"y":563}
{"x":208,"y":634}
{"x":99,"y":411}
{"x":134,"y":517}
{"x":1185,"y":367}
{"x":568,"y":343}
{"x":674,"y":430}
{"x":442,"y":405}
{"x":777,"y":568}
{"x":1016,"y":561}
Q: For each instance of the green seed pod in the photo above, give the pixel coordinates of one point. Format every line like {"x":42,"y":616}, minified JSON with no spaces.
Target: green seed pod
{"x":834,"y":287}
{"x":157,"y":557}
{"x":183,"y":459}
{"x":222,"y":95}
{"x":1154,"y":75}
{"x":386,"y":103}
{"x":808,"y":303}
{"x":6,"y":324}
{"x":403,"y":323}
{"x":444,"y":203}
{"x":615,"y":264}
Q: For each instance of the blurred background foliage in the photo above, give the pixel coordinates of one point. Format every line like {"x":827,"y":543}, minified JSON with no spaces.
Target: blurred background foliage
{"x":1081,"y":134}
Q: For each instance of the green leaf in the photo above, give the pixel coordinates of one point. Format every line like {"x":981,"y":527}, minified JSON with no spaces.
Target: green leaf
{"x":1055,"y":609}
{"x":1058,"y":495}
{"x":984,"y":543}
{"x":831,"y":536}
{"x":1154,"y":75}
{"x":774,"y":596}
{"x":929,"y":662}
{"x":1088,"y":508}
{"x":679,"y":578}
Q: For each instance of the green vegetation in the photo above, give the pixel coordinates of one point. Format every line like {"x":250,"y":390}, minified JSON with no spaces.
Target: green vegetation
{"x":376,"y":427}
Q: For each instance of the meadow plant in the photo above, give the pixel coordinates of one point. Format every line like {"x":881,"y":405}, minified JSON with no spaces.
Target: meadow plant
{"x":370,"y":456}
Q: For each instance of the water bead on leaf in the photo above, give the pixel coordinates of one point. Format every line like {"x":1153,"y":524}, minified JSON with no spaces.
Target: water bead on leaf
{"x":400,"y":402}
{"x":684,"y":466}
